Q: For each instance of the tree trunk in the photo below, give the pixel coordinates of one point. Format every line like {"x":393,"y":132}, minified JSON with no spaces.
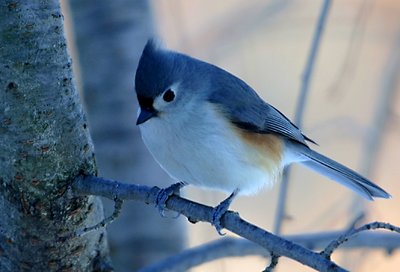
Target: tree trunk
{"x":110,"y":36}
{"x":44,"y":144}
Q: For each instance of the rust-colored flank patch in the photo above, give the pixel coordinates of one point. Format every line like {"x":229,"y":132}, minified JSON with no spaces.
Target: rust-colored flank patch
{"x":267,"y":149}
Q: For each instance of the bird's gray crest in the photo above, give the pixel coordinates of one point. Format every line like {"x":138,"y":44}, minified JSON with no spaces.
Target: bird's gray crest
{"x":152,"y":46}
{"x":153,"y":72}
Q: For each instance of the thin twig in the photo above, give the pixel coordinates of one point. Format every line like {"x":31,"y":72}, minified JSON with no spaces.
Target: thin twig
{"x":327,"y":252}
{"x":309,"y":69}
{"x":387,"y":89}
{"x":300,"y":107}
{"x":235,"y":247}
{"x":377,"y":128}
{"x":356,"y":219}
{"x":106,"y":221}
{"x":272,"y":265}
{"x":195,"y":212}
{"x":353,"y":51}
{"x":221,"y":248}
{"x":281,"y":213}
{"x":102,"y":224}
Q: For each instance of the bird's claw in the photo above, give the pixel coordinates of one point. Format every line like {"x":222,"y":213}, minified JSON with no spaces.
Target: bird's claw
{"x":220,"y":210}
{"x":164,"y":194}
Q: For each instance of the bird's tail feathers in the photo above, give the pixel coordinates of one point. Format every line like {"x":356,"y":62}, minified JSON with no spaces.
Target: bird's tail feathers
{"x":340,"y":173}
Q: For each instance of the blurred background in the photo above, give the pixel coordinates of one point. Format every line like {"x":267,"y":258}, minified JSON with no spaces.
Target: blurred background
{"x":352,"y":111}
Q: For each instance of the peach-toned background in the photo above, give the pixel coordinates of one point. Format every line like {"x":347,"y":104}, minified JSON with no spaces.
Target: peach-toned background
{"x":351,"y":105}
{"x":266,"y":43}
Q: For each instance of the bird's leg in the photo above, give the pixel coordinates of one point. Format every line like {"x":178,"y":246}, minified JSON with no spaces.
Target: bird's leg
{"x":220,"y":210}
{"x":166,"y":193}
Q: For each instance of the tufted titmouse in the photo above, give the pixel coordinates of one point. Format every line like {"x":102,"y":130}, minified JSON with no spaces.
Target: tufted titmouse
{"x":206,"y":127}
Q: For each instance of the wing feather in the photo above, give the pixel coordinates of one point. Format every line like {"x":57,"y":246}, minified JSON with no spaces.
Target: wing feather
{"x":244,"y":108}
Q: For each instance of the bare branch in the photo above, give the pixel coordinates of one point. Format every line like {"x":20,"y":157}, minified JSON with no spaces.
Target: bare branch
{"x":234,"y":247}
{"x":300,"y":107}
{"x":106,"y":221}
{"x":196,"y":212}
{"x":225,"y":247}
{"x":327,"y":252}
{"x":273,"y":264}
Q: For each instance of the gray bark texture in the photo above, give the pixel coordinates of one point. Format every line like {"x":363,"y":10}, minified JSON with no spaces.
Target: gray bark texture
{"x":109,"y":38}
{"x":44,"y":144}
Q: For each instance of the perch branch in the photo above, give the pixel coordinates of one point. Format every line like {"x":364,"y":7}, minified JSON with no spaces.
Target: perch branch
{"x":91,"y":185}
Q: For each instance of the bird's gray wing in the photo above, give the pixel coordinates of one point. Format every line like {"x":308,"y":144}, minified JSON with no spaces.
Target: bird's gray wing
{"x":241,"y":104}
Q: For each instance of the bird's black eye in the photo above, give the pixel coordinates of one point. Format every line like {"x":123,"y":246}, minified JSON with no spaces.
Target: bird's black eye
{"x":168,"y":96}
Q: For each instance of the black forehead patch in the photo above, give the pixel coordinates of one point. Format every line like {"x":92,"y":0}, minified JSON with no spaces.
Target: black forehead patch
{"x":146,"y":102}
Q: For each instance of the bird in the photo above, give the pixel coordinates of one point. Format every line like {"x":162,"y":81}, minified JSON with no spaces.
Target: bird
{"x":208,"y":128}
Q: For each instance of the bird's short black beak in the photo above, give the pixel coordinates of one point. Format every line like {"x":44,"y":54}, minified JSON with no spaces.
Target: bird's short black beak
{"x":145,"y":115}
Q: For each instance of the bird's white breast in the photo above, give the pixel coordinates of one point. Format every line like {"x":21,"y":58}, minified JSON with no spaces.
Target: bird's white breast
{"x":203,"y":149}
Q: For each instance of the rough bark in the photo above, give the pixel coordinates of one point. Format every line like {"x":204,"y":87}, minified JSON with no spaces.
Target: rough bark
{"x":44,"y":144}
{"x":109,"y":38}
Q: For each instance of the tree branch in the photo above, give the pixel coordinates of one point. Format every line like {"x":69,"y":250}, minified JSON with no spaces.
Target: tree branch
{"x":221,"y":248}
{"x":234,"y":247}
{"x":327,"y":252}
{"x":197,"y":212}
{"x":300,"y":107}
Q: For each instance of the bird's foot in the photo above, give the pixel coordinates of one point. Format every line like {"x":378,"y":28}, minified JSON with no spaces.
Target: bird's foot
{"x":165,"y":193}
{"x":220,"y":210}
